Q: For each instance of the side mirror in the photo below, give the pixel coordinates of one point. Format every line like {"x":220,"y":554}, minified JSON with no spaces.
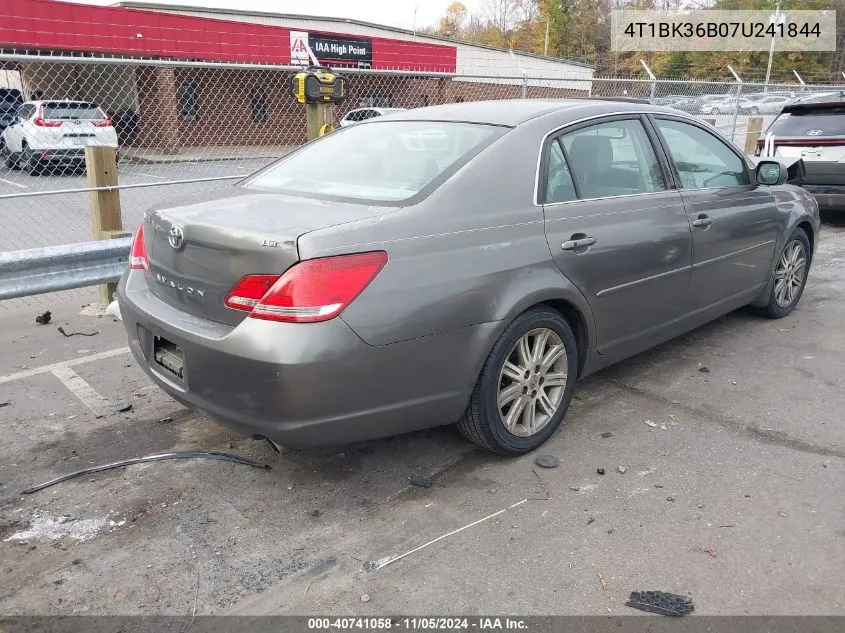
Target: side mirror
{"x":771,"y":172}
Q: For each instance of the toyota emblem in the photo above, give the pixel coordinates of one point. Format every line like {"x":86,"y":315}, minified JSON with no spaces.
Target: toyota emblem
{"x":176,"y":237}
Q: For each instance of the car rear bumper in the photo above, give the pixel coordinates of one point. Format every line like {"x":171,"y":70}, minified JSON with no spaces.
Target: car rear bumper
{"x":304,"y":384}
{"x":829,"y":197}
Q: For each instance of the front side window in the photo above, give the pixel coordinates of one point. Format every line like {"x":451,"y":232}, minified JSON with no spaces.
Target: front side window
{"x":613,"y":159}
{"x":386,"y":162}
{"x":702,"y":159}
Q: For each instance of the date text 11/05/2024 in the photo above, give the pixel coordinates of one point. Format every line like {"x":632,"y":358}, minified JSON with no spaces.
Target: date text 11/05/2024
{"x":418,"y":624}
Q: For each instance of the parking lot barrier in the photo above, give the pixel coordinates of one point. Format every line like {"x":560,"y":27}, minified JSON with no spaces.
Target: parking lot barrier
{"x":51,"y":268}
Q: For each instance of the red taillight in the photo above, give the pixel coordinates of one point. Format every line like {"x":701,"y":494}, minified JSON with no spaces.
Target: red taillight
{"x":41,"y":122}
{"x":248,"y":291}
{"x":312,"y":290}
{"x":107,"y":122}
{"x":138,"y":256}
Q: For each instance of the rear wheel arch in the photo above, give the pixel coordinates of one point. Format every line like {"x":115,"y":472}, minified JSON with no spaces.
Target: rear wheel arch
{"x":573,"y":314}
{"x":577,"y":322}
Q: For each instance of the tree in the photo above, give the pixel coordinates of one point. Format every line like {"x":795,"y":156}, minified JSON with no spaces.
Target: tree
{"x":452,"y":23}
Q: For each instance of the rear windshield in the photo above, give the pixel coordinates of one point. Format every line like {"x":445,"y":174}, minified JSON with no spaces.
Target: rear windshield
{"x":87,"y":111}
{"x":816,"y":123}
{"x":387,"y":162}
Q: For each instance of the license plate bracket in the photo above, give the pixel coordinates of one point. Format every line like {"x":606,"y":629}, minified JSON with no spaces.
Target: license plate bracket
{"x":169,"y":356}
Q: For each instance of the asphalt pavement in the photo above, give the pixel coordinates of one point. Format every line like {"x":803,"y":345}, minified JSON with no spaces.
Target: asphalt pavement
{"x":723,"y":454}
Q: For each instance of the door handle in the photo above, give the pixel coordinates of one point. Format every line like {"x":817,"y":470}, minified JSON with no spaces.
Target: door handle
{"x":579,"y":241}
{"x":702,"y":221}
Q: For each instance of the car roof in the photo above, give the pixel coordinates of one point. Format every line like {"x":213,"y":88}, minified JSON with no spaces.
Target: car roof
{"x":819,"y":103}
{"x":512,"y":112}
{"x":91,"y":103}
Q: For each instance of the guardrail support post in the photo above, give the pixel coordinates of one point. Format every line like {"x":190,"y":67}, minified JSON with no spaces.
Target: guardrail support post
{"x":106,"y":220}
{"x":755,"y":126}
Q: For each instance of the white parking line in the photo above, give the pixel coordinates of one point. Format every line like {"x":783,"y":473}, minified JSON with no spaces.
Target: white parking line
{"x":67,"y":363}
{"x":82,"y":390}
{"x":14,"y":184}
{"x":138,"y":173}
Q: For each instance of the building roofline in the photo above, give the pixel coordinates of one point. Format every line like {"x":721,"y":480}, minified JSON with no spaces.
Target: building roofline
{"x":165,"y":8}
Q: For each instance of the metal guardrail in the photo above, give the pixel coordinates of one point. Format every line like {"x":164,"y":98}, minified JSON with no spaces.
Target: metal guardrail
{"x":52,"y":268}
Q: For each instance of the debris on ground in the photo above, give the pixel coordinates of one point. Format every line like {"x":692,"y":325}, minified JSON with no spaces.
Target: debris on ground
{"x":38,"y":354}
{"x":662,"y":427}
{"x":548,"y":497}
{"x":704,"y":369}
{"x":150,"y":458}
{"x":5,"y":404}
{"x":600,"y":470}
{"x":602,"y":582}
{"x":44,"y":318}
{"x":167,"y":419}
{"x":650,"y":423}
{"x":547,"y":461}
{"x":365,"y":598}
{"x":711,"y":551}
{"x":574,"y":488}
{"x":276,"y":448}
{"x":670,"y":499}
{"x":607,"y":434}
{"x":69,"y":334}
{"x":125,"y":407}
{"x":621,"y":469}
{"x":113,"y":311}
{"x":419,"y":481}
{"x":591,"y":520}
{"x":661,"y":602}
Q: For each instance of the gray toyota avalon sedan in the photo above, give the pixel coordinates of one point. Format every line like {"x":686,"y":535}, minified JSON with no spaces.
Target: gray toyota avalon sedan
{"x":460,"y":263}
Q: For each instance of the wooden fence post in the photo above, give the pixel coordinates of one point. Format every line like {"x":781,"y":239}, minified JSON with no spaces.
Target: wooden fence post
{"x":316,"y":116}
{"x":106,"y":220}
{"x":755,"y":126}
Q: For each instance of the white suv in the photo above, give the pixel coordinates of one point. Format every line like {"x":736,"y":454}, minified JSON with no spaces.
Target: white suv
{"x":362,"y":114}
{"x":55,"y":133}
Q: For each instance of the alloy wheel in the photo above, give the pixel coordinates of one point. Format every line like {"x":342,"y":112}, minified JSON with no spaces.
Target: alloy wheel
{"x":790,"y":273}
{"x":532,"y":382}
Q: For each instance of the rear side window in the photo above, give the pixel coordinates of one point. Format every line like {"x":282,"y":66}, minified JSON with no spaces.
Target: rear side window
{"x":83,"y":111}
{"x":387,"y":162}
{"x":815,"y":122}
{"x":613,"y":159}
{"x":702,"y":159}
{"x":559,"y":184}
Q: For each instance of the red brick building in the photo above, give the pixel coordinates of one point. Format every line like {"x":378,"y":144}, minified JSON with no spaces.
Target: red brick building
{"x":223,"y":77}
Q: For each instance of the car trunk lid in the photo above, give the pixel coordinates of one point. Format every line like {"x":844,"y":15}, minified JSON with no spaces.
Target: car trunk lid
{"x":199,"y":249}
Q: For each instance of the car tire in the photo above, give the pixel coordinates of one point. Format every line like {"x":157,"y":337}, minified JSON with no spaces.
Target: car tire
{"x":30,"y":164}
{"x":10,"y":160}
{"x":539,"y":333}
{"x":789,"y":276}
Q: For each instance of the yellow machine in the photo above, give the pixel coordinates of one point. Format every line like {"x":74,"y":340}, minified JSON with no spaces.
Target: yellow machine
{"x":318,"y":84}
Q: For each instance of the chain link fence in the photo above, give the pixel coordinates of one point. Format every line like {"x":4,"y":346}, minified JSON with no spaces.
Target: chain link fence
{"x":183,"y":128}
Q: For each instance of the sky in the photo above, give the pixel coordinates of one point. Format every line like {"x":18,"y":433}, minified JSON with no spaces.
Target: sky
{"x":388,"y":12}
